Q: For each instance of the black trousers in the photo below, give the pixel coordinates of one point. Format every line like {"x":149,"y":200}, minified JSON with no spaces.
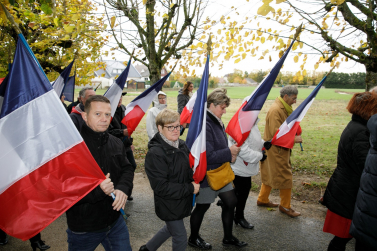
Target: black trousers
{"x":242,"y":187}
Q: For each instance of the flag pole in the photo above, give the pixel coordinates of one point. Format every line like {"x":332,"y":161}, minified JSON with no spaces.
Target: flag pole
{"x":209,"y":45}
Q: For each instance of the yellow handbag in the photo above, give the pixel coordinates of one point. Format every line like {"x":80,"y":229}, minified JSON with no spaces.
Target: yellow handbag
{"x":220,"y":177}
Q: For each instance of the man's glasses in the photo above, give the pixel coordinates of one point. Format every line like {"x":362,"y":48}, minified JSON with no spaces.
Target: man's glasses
{"x":172,"y":128}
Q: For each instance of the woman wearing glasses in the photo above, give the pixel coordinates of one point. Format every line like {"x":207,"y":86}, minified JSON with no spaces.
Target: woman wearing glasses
{"x":169,"y":173}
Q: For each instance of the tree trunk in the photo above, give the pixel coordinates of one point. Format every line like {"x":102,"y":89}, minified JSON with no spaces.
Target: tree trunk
{"x":154,"y":72}
{"x":371,"y":76}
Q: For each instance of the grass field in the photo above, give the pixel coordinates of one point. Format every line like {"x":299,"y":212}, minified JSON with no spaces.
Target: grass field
{"x":322,"y":127}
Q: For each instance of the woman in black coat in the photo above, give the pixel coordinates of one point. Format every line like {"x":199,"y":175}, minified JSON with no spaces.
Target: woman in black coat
{"x":364,"y":221}
{"x":168,"y":168}
{"x":184,"y":95}
{"x":341,"y":191}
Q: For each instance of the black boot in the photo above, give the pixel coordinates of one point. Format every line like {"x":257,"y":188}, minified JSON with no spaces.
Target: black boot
{"x":39,"y":244}
{"x":143,"y":248}
{"x":243,"y":223}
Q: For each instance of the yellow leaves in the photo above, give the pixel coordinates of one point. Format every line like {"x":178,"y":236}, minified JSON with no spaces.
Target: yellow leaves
{"x":145,"y":2}
{"x":280,"y":1}
{"x":69,"y":28}
{"x":112,"y":21}
{"x":237,"y":60}
{"x":304,"y":73}
{"x":346,"y":59}
{"x":265,"y":8}
{"x":263,"y":39}
{"x":324,"y":25}
{"x":229,"y":43}
{"x":219,"y":31}
{"x":172,"y":5}
{"x":243,"y":55}
{"x":261,"y":58}
{"x":316,"y":66}
{"x":252,"y":51}
{"x":270,"y":58}
{"x":222,"y":20}
{"x":56,"y":21}
{"x":166,"y":16}
{"x":259,"y":32}
{"x":75,"y":17}
{"x":202,"y":37}
{"x":240,"y":49}
{"x":337,"y":2}
{"x":295,"y":59}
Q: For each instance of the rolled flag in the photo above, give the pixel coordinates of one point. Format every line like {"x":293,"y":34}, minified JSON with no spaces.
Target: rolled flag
{"x":187,"y":110}
{"x":196,"y":137}
{"x":241,"y":123}
{"x":115,"y":90}
{"x":285,"y":135}
{"x":60,"y":82}
{"x":139,"y":106}
{"x":45,"y":166}
{"x":3,"y":86}
{"x":69,"y":89}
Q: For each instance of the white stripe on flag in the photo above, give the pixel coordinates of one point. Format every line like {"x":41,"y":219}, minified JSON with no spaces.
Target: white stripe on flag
{"x":32,"y":135}
{"x":113,"y":95}
{"x":246,"y":120}
{"x":143,"y":103}
{"x":199,"y":144}
{"x":285,"y":128}
{"x":191,"y":103}
{"x":59,"y":85}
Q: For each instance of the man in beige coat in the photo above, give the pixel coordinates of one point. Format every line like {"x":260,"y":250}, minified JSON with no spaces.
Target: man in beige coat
{"x":276,"y":170}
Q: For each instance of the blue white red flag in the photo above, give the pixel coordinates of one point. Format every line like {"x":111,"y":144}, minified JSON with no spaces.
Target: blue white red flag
{"x":115,"y":90}
{"x":285,"y":136}
{"x":60,"y":82}
{"x":241,"y":123}
{"x":186,"y":113}
{"x":45,"y":166}
{"x":196,"y":136}
{"x":69,"y":89}
{"x":139,"y":106}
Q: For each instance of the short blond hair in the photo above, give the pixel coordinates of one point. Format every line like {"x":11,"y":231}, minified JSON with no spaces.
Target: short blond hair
{"x":218,"y":97}
{"x":166,"y":116}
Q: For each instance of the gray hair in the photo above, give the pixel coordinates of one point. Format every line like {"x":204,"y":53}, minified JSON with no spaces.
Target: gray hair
{"x":289,"y":90}
{"x":218,"y":97}
{"x":83,"y":90}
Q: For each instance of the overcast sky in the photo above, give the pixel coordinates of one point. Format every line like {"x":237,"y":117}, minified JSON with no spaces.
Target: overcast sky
{"x":217,"y":8}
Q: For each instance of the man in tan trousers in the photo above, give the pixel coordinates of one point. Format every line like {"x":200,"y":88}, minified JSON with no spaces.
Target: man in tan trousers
{"x":276,"y":170}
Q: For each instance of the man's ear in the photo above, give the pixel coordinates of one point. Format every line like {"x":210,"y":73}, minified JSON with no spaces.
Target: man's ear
{"x":84,"y":116}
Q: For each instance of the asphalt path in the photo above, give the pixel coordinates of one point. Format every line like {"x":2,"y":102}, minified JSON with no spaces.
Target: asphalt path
{"x":273,"y":230}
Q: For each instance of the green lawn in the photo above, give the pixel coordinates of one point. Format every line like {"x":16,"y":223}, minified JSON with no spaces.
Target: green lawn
{"x":322,"y":126}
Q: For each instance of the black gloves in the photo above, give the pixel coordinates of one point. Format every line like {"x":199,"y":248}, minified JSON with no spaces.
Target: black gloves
{"x":264,"y":156}
{"x":267,"y":145}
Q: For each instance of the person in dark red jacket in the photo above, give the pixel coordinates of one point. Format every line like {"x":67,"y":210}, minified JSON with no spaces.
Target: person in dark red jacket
{"x":341,"y":191}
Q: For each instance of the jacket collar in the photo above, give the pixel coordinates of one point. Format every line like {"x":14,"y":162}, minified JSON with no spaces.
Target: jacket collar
{"x":359,"y":119}
{"x":98,"y":138}
{"x":213,"y":118}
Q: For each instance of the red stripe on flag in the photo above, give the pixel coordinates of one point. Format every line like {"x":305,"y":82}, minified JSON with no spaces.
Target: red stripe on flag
{"x":36,"y":200}
{"x":132,"y":119}
{"x":234,"y":129}
{"x":185,"y":116}
{"x":288,"y":139}
{"x":201,"y":169}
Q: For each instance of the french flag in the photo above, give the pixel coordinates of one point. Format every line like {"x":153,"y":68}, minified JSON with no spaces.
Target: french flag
{"x":60,"y":82}
{"x":196,"y":137}
{"x":285,"y":135}
{"x":139,"y":106}
{"x":69,"y":88}
{"x":45,"y":166}
{"x":243,"y":120}
{"x":187,"y":110}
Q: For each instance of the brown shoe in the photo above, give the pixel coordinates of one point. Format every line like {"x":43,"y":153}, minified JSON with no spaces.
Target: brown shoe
{"x":269,"y":204}
{"x":290,"y":212}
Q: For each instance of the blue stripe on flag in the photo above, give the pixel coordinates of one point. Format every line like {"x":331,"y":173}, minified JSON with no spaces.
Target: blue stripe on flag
{"x":156,"y":86}
{"x":296,"y":113}
{"x":31,"y":81}
{"x":259,"y":97}
{"x":199,"y":109}
{"x":69,"y":89}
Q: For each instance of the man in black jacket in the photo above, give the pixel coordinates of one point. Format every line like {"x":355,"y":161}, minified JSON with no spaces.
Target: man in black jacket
{"x":96,"y":218}
{"x":75,"y":115}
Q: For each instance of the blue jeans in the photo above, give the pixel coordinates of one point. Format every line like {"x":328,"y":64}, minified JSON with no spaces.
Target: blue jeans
{"x":114,"y":239}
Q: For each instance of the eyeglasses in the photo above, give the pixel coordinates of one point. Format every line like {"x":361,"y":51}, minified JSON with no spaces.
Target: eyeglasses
{"x":172,"y":128}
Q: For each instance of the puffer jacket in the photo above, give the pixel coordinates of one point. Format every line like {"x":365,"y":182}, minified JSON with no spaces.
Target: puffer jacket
{"x":169,"y":173}
{"x":341,"y":191}
{"x":247,"y":162}
{"x":364,"y":221}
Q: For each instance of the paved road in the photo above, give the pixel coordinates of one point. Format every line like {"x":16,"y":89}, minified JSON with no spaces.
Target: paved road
{"x":273,"y":230}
